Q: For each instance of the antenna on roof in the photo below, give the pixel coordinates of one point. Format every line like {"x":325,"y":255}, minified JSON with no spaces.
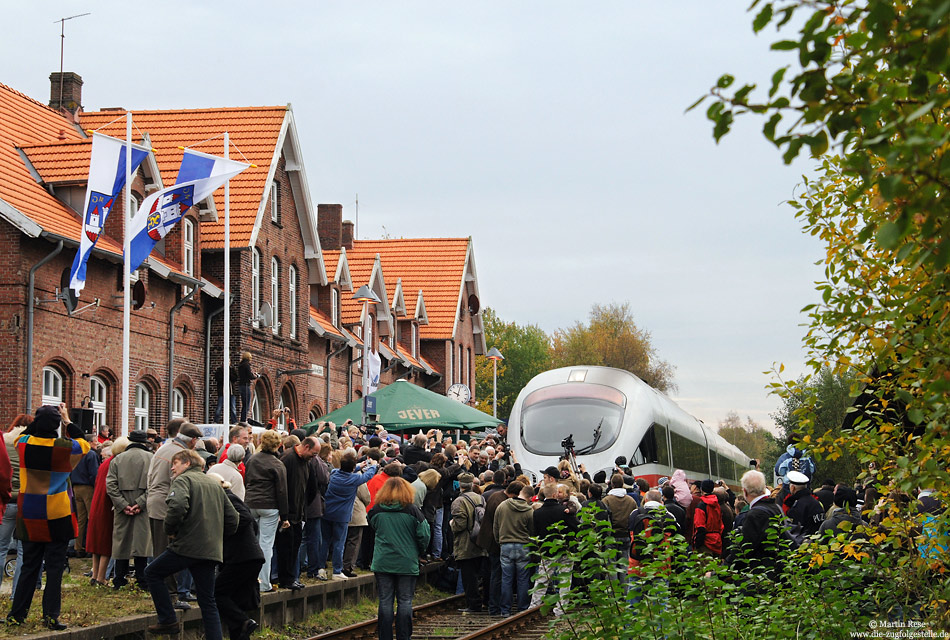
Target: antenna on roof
{"x":62,"y":43}
{"x":356,"y":229}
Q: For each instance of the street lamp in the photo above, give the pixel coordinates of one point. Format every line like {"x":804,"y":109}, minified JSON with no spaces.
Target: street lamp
{"x":494,"y":355}
{"x":365,"y":296}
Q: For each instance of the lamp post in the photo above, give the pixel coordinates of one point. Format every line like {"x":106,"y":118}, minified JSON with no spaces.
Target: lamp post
{"x":365,"y":296}
{"x":494,"y":355}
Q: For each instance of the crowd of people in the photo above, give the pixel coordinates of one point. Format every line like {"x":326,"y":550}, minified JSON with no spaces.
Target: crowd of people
{"x":189,"y":519}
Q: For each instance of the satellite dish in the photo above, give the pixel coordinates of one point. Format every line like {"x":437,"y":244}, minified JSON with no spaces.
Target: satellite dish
{"x":138,"y":295}
{"x":266,"y":317}
{"x":67,"y":294}
{"x":473,"y":304}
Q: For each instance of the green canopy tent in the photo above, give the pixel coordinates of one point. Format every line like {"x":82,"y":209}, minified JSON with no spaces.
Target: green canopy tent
{"x":402,"y":405}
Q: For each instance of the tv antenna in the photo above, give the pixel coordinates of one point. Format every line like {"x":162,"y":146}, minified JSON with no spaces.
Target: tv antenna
{"x":62,"y":44}
{"x":356,"y":231}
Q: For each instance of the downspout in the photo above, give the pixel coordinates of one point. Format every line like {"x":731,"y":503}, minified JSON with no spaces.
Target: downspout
{"x":171,"y":343}
{"x":326,"y":407}
{"x":437,"y":380}
{"x":30,"y":293}
{"x":210,"y":317}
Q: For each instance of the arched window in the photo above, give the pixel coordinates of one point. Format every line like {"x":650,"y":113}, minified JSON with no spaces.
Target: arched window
{"x":178,"y":403}
{"x":97,"y":400}
{"x":255,"y":286}
{"x":274,"y":293}
{"x":258,"y":406}
{"x":52,"y":386}
{"x":314,"y":414}
{"x":292,"y":299}
{"x":286,"y":401}
{"x":143,"y":398}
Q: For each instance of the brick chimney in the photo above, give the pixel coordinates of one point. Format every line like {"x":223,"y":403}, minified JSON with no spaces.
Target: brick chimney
{"x":348,"y":234}
{"x":65,"y":91}
{"x":330,"y":226}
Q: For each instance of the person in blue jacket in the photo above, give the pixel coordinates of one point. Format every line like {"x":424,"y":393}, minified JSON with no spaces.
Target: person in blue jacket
{"x":338,"y":509}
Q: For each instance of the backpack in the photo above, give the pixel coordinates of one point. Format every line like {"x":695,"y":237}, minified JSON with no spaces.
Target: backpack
{"x":478,"y":515}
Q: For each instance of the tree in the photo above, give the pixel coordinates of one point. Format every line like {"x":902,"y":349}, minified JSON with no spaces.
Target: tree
{"x":526,"y":349}
{"x":754,"y":440}
{"x":827,"y":397}
{"x":612,"y":339}
{"x":868,"y":96}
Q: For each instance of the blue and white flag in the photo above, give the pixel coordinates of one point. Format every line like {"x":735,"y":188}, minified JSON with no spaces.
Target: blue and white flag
{"x":199,"y":176}
{"x":106,"y":179}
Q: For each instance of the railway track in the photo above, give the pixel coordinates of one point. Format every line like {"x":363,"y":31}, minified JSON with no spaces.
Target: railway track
{"x":440,"y":620}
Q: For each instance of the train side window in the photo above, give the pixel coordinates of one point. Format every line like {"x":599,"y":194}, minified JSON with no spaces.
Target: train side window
{"x":647,"y":450}
{"x":688,"y":455}
{"x":662,"y":447}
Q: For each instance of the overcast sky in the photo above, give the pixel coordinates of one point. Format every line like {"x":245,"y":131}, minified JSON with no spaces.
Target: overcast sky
{"x":551,"y":132}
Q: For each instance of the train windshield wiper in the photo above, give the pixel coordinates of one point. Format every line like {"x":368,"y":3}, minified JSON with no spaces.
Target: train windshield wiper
{"x":597,"y":432}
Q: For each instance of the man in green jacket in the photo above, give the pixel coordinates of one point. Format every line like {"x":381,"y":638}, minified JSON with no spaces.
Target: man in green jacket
{"x":199,"y":515}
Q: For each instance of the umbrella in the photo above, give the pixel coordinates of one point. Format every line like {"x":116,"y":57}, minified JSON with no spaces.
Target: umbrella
{"x":403,"y":405}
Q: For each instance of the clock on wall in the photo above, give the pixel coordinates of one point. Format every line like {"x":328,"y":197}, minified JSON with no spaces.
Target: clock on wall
{"x":460,"y":392}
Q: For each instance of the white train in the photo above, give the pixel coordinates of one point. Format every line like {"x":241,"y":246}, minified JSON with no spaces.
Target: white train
{"x":610,"y":413}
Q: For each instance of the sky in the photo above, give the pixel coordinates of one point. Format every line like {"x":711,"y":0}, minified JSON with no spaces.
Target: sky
{"x":553,"y":133}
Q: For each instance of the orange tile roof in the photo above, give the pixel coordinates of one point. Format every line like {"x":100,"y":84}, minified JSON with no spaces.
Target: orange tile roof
{"x":426,"y":363}
{"x":325,"y":323}
{"x":434,"y":265}
{"x":361,"y":269}
{"x":254,"y":132}
{"x":416,"y":362}
{"x":26,"y":122}
{"x":61,"y":162}
{"x":330,"y":260}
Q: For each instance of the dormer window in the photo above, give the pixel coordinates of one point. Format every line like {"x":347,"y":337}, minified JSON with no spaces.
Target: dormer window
{"x":415,"y":339}
{"x":335,"y":307}
{"x":275,"y":202}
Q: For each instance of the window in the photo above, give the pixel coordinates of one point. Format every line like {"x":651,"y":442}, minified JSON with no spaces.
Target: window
{"x":178,"y":403}
{"x":688,"y":455}
{"x":97,"y":401}
{"x":292,"y":299}
{"x":335,"y":307}
{"x":52,"y":386}
{"x":468,"y":367}
{"x":257,"y":406}
{"x":286,"y":401}
{"x":188,"y":249}
{"x":274,"y":293}
{"x":392,"y":340}
{"x":314,"y":414}
{"x":275,"y":202}
{"x":652,"y":448}
{"x":415,"y":341}
{"x":142,"y":400}
{"x":255,"y":287}
{"x":459,"y":377}
{"x":450,"y":367}
{"x":591,"y":413}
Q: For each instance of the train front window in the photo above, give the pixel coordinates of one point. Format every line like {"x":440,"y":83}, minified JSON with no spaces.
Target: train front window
{"x":551,"y":414}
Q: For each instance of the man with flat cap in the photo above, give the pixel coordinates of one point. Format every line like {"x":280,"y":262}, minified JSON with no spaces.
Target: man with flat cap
{"x":801,"y":506}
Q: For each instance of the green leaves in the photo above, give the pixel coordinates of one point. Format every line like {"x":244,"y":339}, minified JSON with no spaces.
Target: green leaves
{"x":763,"y":18}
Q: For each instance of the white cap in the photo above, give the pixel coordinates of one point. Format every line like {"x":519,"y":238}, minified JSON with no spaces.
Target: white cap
{"x":797,"y":477}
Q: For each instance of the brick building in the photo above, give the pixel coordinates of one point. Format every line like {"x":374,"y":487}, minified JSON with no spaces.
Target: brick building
{"x":298,"y":259}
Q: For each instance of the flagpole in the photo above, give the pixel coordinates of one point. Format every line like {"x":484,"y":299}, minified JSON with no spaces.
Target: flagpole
{"x":225,"y":390}
{"x":126,"y":280}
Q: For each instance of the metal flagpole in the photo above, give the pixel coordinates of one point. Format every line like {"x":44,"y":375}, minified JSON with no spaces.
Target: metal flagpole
{"x":126,"y":280}
{"x":225,"y":390}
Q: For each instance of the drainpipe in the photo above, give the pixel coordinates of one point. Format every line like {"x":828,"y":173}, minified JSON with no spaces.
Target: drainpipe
{"x":208,"y":320}
{"x":171,"y":343}
{"x":30,"y":296}
{"x":326,"y":407}
{"x":437,"y":380}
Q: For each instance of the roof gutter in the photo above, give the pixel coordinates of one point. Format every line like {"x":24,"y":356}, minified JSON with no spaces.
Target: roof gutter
{"x":31,"y":302}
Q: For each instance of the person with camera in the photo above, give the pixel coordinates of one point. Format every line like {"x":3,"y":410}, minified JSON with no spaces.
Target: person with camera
{"x":44,"y":521}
